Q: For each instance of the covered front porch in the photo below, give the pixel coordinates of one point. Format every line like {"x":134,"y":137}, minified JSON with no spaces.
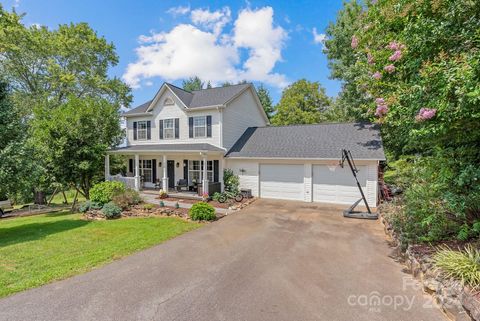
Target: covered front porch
{"x":174,"y":171}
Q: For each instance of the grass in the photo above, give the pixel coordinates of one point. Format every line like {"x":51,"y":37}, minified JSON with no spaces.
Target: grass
{"x":58,"y":199}
{"x":463,"y":265}
{"x":36,"y":250}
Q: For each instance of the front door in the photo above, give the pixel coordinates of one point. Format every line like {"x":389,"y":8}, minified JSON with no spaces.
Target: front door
{"x":171,"y":173}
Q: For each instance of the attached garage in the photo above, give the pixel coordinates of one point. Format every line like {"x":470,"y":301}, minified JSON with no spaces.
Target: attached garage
{"x":333,"y":184}
{"x":282,"y":181}
{"x":302,"y":162}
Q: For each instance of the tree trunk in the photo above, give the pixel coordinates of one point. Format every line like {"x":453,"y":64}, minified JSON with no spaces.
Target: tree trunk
{"x":39,"y":197}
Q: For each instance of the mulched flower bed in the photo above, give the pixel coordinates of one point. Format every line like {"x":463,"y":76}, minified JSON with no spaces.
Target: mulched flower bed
{"x":211,"y":202}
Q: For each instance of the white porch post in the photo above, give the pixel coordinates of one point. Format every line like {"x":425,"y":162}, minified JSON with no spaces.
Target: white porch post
{"x":164,"y":177}
{"x":107,"y":167}
{"x":205,"y":177}
{"x":137,"y":172}
{"x":220,"y":173}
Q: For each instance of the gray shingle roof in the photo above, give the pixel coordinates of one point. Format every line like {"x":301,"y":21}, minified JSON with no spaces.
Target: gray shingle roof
{"x":319,"y":141}
{"x":170,"y":147}
{"x":198,"y":98}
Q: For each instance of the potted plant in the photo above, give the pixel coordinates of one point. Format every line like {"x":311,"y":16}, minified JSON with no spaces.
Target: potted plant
{"x":205,"y":197}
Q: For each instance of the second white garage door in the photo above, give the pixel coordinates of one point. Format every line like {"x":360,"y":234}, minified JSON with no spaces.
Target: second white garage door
{"x":282,"y":181}
{"x":333,"y":184}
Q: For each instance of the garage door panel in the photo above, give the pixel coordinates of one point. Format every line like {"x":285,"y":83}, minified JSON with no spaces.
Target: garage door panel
{"x":281,"y":181}
{"x":337,"y":185}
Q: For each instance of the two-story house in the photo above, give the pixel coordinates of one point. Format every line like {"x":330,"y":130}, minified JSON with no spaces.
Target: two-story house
{"x":191,"y":137}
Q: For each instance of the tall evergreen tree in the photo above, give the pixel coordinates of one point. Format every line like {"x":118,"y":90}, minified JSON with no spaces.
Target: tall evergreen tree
{"x":193,"y":83}
{"x":266,"y":100}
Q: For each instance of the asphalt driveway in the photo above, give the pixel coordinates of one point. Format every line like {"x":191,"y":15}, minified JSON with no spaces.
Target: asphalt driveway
{"x":272,"y":261}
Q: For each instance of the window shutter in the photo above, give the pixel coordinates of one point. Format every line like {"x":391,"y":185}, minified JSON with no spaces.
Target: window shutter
{"x":154,"y":170}
{"x":149,"y":130}
{"x":209,"y":126}
{"x":215,"y":170}
{"x":130,"y":165}
{"x":185,"y":169}
{"x":190,"y":127}
{"x":177,"y":128}
{"x":134,"y":130}
{"x":161,"y":129}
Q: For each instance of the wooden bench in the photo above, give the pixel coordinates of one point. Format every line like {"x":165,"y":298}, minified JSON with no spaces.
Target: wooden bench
{"x":5,"y":207}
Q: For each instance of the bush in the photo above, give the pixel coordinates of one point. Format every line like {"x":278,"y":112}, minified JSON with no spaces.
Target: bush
{"x":111,"y":210}
{"x":230,"y":180}
{"x":148,"y":206}
{"x":202,"y":211}
{"x":89,"y":205}
{"x":127,"y":198}
{"x":463,"y":265}
{"x":216,"y":196}
{"x":105,"y":191}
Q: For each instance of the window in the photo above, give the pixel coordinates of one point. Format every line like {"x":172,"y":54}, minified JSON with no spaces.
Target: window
{"x":195,"y":171}
{"x":200,"y":126}
{"x":169,"y":128}
{"x":142,"y":130}
{"x":146,"y":170}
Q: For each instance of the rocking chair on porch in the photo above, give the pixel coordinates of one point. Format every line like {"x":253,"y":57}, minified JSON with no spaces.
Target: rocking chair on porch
{"x":182,"y":183}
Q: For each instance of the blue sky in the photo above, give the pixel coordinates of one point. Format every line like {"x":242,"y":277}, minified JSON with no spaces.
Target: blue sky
{"x":264,"y":42}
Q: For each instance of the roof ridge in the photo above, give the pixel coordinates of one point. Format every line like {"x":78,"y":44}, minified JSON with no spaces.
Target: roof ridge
{"x":317,"y":124}
{"x":203,"y":89}
{"x":169,"y":84}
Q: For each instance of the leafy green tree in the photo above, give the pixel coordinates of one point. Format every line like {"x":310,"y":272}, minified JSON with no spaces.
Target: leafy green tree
{"x":266,"y":100}
{"x":193,"y":83}
{"x":413,"y":66}
{"x":44,"y":65}
{"x":303,"y":102}
{"x":75,"y":136}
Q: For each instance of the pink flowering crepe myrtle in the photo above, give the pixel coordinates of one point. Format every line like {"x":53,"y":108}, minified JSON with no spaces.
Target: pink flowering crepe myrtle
{"x":370,"y":59}
{"x":393,"y":45}
{"x":389,"y":68}
{"x":382,"y":107}
{"x":354,"y":43}
{"x":425,"y":114}
{"x":377,"y":75}
{"x":397,"y":55}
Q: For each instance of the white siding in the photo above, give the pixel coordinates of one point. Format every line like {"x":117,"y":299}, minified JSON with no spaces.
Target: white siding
{"x":160,"y":111}
{"x":241,"y":113}
{"x":247,"y":171}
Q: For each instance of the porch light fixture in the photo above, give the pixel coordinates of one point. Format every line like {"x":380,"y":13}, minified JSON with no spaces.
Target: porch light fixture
{"x":159,"y":164}
{"x":178,"y":164}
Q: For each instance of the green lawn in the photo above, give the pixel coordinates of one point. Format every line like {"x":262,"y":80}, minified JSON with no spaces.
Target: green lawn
{"x":39,"y":249}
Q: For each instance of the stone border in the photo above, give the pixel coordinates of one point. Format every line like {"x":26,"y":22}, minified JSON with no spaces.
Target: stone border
{"x":242,"y":205}
{"x":456,"y":301}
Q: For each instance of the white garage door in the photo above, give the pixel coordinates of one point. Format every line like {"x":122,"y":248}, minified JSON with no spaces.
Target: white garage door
{"x":333,"y":184}
{"x":281,"y":181}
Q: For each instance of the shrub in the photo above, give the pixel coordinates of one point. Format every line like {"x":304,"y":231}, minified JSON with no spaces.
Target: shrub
{"x":162,"y":204}
{"x":230,"y":180}
{"x":162,"y":194}
{"x":463,"y":265}
{"x":105,"y":191}
{"x":89,"y":205}
{"x":216,"y":196}
{"x":127,"y":198}
{"x":111,"y":210}
{"x":147,"y":206}
{"x":202,"y":211}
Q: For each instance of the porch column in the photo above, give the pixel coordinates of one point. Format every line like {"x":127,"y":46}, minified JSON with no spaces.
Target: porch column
{"x":107,"y":167}
{"x":221,"y":164}
{"x":137,"y":172}
{"x":205,"y":178}
{"x":164,"y":177}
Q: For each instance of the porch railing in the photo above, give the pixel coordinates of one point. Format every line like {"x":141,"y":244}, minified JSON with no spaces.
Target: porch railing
{"x":128,"y":181}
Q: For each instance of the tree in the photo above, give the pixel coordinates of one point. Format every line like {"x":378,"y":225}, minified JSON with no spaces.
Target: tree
{"x":75,"y":137}
{"x":48,"y":65}
{"x":302,"y":102}
{"x":193,"y":83}
{"x":413,"y":67}
{"x":18,"y":166}
{"x":266,"y":100}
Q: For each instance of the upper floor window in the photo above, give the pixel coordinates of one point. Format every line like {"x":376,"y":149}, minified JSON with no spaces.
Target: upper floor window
{"x":169,"y":128}
{"x":168,"y":101}
{"x":200,"y":126}
{"x":142,"y":130}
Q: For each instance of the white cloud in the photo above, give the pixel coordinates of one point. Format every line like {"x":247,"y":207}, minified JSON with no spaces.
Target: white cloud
{"x":205,"y":49}
{"x":180,"y":10}
{"x":318,"y":37}
{"x":212,"y":20}
{"x":16,"y":3}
